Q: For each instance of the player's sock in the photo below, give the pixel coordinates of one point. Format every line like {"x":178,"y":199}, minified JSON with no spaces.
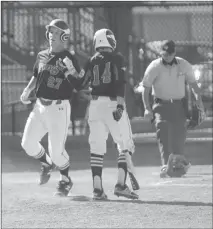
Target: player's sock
{"x":96,"y":167}
{"x":122,"y":169}
{"x":130,"y":153}
{"x":64,"y":174}
{"x":43,"y":157}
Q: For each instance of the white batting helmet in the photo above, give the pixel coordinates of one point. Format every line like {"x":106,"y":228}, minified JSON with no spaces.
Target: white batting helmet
{"x":104,"y":38}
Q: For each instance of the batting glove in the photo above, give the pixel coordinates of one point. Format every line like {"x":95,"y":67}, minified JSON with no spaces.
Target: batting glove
{"x":25,"y":96}
{"x":117,"y":114}
{"x":71,"y":69}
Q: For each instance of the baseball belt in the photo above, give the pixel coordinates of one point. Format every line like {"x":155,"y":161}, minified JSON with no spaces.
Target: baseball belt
{"x":45,"y":102}
{"x":95,"y":97}
{"x":158,"y":100}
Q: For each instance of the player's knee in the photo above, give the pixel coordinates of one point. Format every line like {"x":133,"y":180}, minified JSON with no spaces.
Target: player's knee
{"x":97,"y":148}
{"x":58,"y":158}
{"x":30,"y":147}
{"x":26,"y":145}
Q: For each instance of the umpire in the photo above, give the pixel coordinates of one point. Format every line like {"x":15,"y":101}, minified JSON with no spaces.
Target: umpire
{"x":167,"y":76}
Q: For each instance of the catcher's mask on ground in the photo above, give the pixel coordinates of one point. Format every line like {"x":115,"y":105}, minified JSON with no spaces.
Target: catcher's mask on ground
{"x":104,"y":38}
{"x":61,"y":26}
{"x":177,"y":165}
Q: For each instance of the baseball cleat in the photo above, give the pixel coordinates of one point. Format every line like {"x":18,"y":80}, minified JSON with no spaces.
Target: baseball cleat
{"x":125,"y":192}
{"x":99,"y":195}
{"x":63,"y":188}
{"x":45,"y":173}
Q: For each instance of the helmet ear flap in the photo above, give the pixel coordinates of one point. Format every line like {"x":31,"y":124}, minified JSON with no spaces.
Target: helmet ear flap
{"x":47,"y":35}
{"x":64,"y":37}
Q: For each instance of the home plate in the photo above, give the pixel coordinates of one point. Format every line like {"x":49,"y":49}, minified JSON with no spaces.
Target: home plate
{"x":162,"y":183}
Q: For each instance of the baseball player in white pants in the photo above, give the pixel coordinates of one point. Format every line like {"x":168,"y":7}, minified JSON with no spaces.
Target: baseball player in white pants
{"x":104,"y":72}
{"x":53,"y":84}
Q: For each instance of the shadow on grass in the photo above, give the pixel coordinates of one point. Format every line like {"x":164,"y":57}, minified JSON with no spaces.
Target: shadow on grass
{"x":157,"y":202}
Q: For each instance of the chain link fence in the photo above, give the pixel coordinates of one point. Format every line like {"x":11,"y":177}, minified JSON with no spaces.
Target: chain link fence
{"x":23,"y":36}
{"x":23,"y":29}
{"x":190,"y":26}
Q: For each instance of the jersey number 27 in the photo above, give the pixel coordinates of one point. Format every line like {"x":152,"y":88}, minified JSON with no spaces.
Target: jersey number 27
{"x":53,"y":82}
{"x":106,"y":76}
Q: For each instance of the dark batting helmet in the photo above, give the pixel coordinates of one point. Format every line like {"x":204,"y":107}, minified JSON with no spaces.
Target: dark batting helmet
{"x":59,"y":24}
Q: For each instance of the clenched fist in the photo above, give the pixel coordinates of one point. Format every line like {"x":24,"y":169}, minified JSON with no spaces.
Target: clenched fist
{"x":117,"y":114}
{"x":69,"y":65}
{"x":148,"y":114}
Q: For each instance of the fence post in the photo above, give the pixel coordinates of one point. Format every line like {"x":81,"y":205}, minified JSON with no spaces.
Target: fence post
{"x":13,"y":119}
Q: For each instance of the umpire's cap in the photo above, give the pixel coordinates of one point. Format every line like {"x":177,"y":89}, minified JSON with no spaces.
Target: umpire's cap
{"x":168,"y":46}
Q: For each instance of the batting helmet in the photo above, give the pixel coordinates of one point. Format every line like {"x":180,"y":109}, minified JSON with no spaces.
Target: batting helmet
{"x":104,"y":38}
{"x":59,"y":24}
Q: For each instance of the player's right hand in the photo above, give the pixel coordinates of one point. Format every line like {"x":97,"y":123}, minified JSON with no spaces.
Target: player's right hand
{"x":117,"y":114}
{"x":148,"y":114}
{"x":25,"y":97}
{"x":68,"y":63}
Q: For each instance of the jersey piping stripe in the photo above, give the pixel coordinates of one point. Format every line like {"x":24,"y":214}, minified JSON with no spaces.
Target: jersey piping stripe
{"x":130,"y":131}
{"x":40,"y":154}
{"x":64,"y":166}
{"x":65,"y":134}
{"x":87,"y":78}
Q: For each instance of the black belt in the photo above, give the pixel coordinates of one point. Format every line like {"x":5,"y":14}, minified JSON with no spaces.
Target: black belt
{"x":158,"y":100}
{"x":95,"y":97}
{"x":49,"y":102}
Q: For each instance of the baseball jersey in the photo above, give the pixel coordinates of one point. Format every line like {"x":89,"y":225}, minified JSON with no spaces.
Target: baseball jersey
{"x":105,"y":74}
{"x":51,"y":82}
{"x":168,"y":81}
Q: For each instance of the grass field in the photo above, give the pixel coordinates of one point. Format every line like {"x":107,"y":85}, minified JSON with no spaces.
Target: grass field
{"x":164,"y":203}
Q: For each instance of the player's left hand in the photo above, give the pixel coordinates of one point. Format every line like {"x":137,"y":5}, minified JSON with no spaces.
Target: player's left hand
{"x":148,"y":114}
{"x":24,"y":97}
{"x":117,"y":114}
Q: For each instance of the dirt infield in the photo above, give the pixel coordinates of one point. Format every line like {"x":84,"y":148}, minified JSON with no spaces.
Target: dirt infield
{"x":164,"y":203}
